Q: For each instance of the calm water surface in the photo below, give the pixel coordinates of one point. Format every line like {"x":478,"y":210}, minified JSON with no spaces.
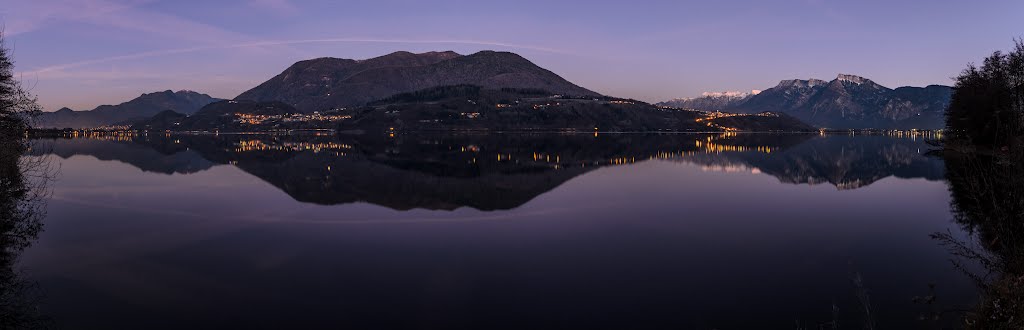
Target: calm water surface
{"x":495,"y":231}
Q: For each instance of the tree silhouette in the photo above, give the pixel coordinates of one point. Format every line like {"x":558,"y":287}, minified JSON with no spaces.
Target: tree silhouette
{"x":17,"y":105}
{"x":987,"y":107}
{"x":23,"y":182}
{"x":987,"y":188}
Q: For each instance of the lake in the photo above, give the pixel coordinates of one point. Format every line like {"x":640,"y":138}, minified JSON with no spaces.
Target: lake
{"x":496,"y":231}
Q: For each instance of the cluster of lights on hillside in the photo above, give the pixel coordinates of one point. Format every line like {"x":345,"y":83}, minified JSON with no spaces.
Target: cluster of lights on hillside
{"x":709,"y":118}
{"x":257,"y":119}
{"x":546,"y":105}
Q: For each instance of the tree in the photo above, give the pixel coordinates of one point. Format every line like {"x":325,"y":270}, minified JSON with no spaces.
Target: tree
{"x":987,"y":107}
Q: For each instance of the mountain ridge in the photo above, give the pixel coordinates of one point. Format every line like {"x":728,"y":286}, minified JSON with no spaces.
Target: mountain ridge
{"x":142,"y":107}
{"x":711,"y":101}
{"x":848,"y":101}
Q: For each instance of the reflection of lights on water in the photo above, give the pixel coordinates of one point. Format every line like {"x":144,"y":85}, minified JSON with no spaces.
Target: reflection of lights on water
{"x":702,"y":144}
{"x":315,"y":147}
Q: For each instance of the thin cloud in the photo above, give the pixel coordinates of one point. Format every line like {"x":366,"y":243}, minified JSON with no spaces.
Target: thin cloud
{"x":167,"y":52}
{"x":277,"y":6}
{"x":124,"y":15}
{"x":29,"y":16}
{"x":155,"y":53}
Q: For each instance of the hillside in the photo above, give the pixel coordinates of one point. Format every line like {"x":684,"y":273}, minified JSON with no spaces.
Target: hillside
{"x":228,"y":116}
{"x":469,"y":107}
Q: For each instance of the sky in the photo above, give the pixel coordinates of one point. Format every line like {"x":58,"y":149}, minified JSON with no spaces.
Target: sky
{"x":84,"y":53}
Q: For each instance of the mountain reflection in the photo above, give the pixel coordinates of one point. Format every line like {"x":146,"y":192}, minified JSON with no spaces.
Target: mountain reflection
{"x":495,"y":171}
{"x":846,"y":162}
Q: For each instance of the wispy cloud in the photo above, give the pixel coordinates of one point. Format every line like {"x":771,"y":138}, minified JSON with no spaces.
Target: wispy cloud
{"x":266,"y":43}
{"x":128,"y":15}
{"x":28,"y":16}
{"x":162,"y":25}
{"x":111,"y":59}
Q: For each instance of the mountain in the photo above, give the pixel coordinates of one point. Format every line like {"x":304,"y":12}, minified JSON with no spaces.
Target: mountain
{"x":142,"y":107}
{"x":440,"y":91}
{"x":932,"y":102}
{"x":711,"y":101}
{"x":330,"y":83}
{"x":848,"y":101}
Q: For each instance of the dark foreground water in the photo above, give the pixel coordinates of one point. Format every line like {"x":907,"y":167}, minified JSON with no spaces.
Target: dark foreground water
{"x":496,"y":231}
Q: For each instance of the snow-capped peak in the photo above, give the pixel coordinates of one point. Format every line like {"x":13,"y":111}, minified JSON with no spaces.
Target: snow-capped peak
{"x":852,"y":78}
{"x":801,"y":83}
{"x":736,"y":94}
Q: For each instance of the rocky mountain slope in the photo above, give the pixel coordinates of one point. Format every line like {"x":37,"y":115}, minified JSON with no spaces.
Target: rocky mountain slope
{"x":850,"y":102}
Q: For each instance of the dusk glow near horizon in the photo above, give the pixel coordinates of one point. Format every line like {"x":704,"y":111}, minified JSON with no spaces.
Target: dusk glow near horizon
{"x":84,"y":53}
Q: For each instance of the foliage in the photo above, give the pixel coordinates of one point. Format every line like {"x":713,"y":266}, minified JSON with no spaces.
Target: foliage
{"x":433,"y":94}
{"x":526,"y":91}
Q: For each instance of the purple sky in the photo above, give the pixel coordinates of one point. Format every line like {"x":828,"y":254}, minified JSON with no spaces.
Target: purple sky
{"x":83,"y":53}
